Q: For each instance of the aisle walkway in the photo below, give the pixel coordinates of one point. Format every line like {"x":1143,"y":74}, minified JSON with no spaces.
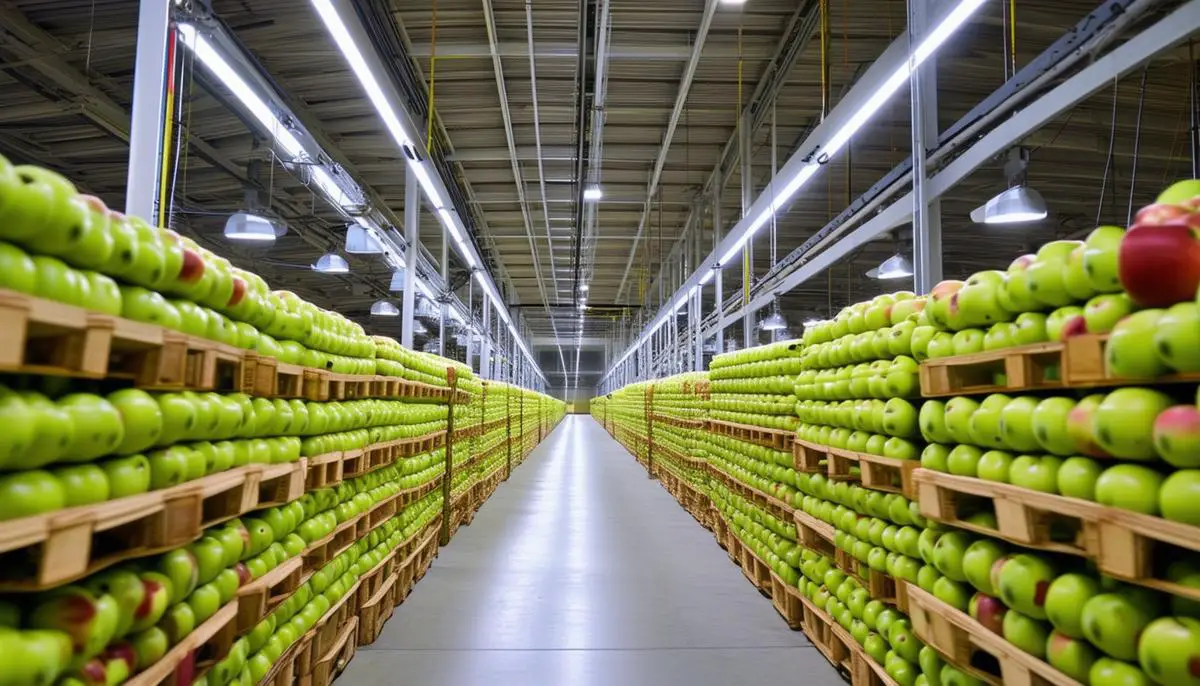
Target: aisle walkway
{"x":582,"y":572}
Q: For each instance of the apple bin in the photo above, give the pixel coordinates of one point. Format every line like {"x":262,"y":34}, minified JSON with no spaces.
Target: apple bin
{"x":1013,"y":458}
{"x":155,"y":529}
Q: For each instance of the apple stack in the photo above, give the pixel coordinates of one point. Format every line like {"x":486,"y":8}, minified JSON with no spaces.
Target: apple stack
{"x":770,"y":536}
{"x":628,"y":414}
{"x":858,"y":378}
{"x":680,"y":404}
{"x":754,"y":387}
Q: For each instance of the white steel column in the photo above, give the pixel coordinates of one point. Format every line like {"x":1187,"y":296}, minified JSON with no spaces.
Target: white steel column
{"x":412,"y":232}
{"x":485,"y":351}
{"x":744,"y":152}
{"x":146,"y":126}
{"x":927,"y":215}
{"x":470,"y":333}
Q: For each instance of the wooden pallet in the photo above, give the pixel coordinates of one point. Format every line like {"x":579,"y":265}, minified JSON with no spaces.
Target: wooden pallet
{"x":283,"y":672}
{"x":328,"y":665}
{"x":148,"y":355}
{"x":260,"y":597}
{"x":814,"y":534}
{"x":44,"y":551}
{"x":327,"y":635}
{"x":1084,"y":365}
{"x":779,"y":507}
{"x":375,"y":610}
{"x":827,"y":637}
{"x":779,"y":439}
{"x":875,"y":471}
{"x":190,"y":659}
{"x":324,"y":471}
{"x":973,"y":648}
{"x":39,"y":336}
{"x":1021,"y":368}
{"x":1122,"y":544}
{"x":280,"y":484}
{"x":786,"y":599}
{"x":809,"y":458}
{"x":213,"y":366}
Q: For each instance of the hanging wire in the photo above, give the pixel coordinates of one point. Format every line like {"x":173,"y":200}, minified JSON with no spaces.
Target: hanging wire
{"x":1112,"y":139}
{"x":824,"y":58}
{"x":1137,"y":144}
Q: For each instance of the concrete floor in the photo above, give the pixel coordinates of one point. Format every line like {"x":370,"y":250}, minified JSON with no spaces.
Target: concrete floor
{"x":582,"y":572}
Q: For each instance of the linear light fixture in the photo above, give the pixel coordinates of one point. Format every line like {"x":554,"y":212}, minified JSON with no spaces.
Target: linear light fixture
{"x":211,"y":58}
{"x":934,"y":40}
{"x":358,"y":63}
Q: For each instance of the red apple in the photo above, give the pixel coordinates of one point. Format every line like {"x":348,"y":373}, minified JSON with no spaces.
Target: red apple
{"x":1158,"y":214}
{"x":989,"y":612}
{"x":239,"y":292}
{"x":1160,"y":265}
{"x":1075,"y":326}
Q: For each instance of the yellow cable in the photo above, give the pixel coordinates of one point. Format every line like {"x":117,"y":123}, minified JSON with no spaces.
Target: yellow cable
{"x":1012,"y":26}
{"x":165,"y":143}
{"x":432,"y":79}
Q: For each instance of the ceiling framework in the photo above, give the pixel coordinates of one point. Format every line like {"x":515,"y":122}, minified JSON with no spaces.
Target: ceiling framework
{"x":529,"y":102}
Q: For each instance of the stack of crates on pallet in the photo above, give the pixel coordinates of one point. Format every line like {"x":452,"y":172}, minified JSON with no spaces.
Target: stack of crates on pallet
{"x":630,"y":420}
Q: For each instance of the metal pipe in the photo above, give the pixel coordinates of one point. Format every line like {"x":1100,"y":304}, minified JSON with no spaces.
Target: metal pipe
{"x":412,"y":231}
{"x":146,"y":126}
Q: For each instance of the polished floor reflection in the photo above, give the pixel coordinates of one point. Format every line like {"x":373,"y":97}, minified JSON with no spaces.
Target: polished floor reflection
{"x":580,"y":571}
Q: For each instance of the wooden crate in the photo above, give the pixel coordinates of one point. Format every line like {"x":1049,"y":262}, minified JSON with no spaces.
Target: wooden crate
{"x":1123,"y":544}
{"x":814,"y":534}
{"x":260,"y":597}
{"x":973,"y":648}
{"x":225,"y":495}
{"x":822,"y":632}
{"x":1021,"y":368}
{"x":779,"y":439}
{"x":786,"y":599}
{"x":284,"y":671}
{"x":148,"y":355}
{"x":756,"y":570}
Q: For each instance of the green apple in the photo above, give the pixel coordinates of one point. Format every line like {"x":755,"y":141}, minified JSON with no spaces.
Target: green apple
{"x":179,"y":418}
{"x":935,"y":457}
{"x":963,"y":460}
{"x":28,"y":493}
{"x":141,"y":417}
{"x":1047,"y":274}
{"x":1026,"y":633}
{"x":83,"y":484}
{"x":1000,"y":336}
{"x":1177,"y":337}
{"x":948,"y":554}
{"x":1100,"y":258}
{"x":1077,"y":477}
{"x":1113,"y":622}
{"x":994,"y":465}
{"x":98,"y":427}
{"x":1081,"y":426}
{"x":1109,"y":672}
{"x":1065,"y":599}
{"x":953,"y":593}
{"x":1169,"y":650}
{"x":181,"y":568}
{"x":1035,"y":473}
{"x":1123,"y":423}
{"x":932,"y":420}
{"x":169,"y":467}
{"x":985,"y":422}
{"x":1070,"y":656}
{"x":89,"y":620}
{"x":1102,"y":312}
{"x":1016,"y":424}
{"x":958,"y":413}
{"x":978,"y":561}
{"x":1131,"y":350}
{"x":1177,"y":498}
{"x":22,"y":420}
{"x":1030,"y":328}
{"x":17,"y":270}
{"x":1023,"y":582}
{"x":1050,"y":425}
{"x":1177,"y":436}
{"x":125,"y":588}
{"x":56,"y":281}
{"x":967,"y":342}
{"x":941,"y":345}
{"x":1075,"y":277}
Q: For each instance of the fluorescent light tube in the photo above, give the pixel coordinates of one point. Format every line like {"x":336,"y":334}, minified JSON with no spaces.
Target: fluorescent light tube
{"x":423,"y":178}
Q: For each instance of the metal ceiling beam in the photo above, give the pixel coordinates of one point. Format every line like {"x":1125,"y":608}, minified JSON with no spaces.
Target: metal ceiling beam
{"x":685,"y":84}
{"x":632,"y":51}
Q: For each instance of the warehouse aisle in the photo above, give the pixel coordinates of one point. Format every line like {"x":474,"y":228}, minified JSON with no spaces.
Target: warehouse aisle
{"x":580,"y":571}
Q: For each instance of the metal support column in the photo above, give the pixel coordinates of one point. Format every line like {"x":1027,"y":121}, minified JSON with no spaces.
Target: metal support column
{"x":927,"y":216}
{"x":485,"y":351}
{"x":698,"y":331}
{"x":718,"y":286}
{"x":444,"y":296}
{"x":744,"y":154}
{"x":146,"y":126}
{"x":470,"y":332}
{"x":412,"y":232}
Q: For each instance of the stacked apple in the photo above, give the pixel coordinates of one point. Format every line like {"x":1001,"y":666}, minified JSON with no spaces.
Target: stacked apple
{"x":679,"y":397}
{"x":1058,"y":444}
{"x":1093,"y":628}
{"x":627,"y":412}
{"x":772,"y":539}
{"x":880,"y":532}
{"x":761,"y":468}
{"x":754,"y":386}
{"x":394,"y":359}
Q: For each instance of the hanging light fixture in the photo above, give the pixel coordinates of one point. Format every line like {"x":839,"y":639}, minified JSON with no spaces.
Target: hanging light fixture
{"x":774,"y":322}
{"x":895,"y":267}
{"x":252,"y":228}
{"x":592,"y":193}
{"x":418,"y":328}
{"x":1019,"y":203}
{"x":398,"y":278}
{"x":332,"y":263}
{"x":359,"y":241}
{"x":383,"y":308}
